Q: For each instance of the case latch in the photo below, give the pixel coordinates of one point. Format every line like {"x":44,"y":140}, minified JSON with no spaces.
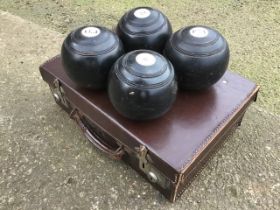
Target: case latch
{"x":59,"y":94}
{"x":153,"y":174}
{"x":142,"y":153}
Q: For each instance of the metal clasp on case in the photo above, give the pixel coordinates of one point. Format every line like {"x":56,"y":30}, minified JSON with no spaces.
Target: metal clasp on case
{"x":59,"y":94}
{"x":153,"y":174}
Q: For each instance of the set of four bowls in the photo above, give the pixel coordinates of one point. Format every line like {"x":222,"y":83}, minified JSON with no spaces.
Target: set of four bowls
{"x":142,"y":63}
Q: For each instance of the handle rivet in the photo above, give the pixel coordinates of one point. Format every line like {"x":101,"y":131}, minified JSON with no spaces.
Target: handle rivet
{"x":152,"y":177}
{"x":56,"y":97}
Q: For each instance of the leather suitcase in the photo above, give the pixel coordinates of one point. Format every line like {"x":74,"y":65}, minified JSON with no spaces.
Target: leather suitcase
{"x":168,"y":151}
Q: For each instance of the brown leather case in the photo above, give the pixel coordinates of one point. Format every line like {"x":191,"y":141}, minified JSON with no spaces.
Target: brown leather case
{"x":167,"y":151}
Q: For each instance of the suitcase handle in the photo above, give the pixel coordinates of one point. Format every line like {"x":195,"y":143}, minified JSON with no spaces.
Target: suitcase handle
{"x":95,"y":139}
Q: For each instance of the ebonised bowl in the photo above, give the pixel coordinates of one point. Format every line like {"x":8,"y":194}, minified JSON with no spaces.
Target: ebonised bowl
{"x":88,"y":54}
{"x":200,"y":56}
{"x":144,"y":28}
{"x":142,"y":85}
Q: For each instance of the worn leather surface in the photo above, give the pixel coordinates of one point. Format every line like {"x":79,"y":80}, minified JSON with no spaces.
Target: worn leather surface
{"x":178,"y":136}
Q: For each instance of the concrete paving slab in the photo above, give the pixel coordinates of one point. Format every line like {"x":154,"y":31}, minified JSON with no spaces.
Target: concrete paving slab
{"x":46,"y":163}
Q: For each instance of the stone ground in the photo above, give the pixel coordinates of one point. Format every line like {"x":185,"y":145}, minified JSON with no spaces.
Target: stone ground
{"x":45,"y":162}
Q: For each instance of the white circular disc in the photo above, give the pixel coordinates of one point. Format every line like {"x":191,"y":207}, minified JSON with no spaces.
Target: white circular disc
{"x":199,"y":32}
{"x":90,"y":32}
{"x":145,"y":59}
{"x":142,"y":13}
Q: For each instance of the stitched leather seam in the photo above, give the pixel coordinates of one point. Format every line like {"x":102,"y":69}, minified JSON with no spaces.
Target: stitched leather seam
{"x":206,"y":142}
{"x":203,"y":166}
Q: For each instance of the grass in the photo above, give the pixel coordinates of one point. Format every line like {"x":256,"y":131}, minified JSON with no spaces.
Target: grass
{"x":251,"y":27}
